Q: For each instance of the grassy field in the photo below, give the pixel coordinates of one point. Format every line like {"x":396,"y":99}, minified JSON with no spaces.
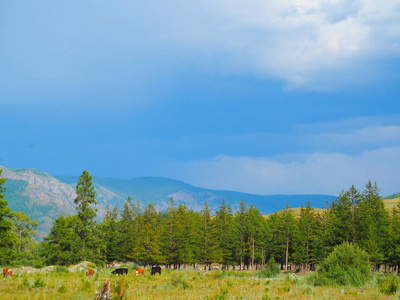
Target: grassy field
{"x":178,"y":284}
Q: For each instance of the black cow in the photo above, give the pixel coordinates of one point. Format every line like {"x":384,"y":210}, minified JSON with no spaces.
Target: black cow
{"x":120,"y":271}
{"x":155,"y":270}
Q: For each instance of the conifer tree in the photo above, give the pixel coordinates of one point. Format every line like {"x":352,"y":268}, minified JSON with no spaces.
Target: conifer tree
{"x":148,"y":246}
{"x":25,"y":230}
{"x":127,"y":227}
{"x":7,"y":238}
{"x":225,"y":232}
{"x":394,"y":238}
{"x":377,"y":224}
{"x":210,"y":251}
{"x":169,"y":237}
{"x":110,"y":236}
{"x":87,"y":230}
{"x":255,"y":235}
{"x":61,"y":246}
{"x":305,"y":238}
{"x":240,"y":234}
{"x":289,"y":229}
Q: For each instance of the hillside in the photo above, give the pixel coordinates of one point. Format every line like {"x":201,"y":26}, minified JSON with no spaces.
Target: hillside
{"x":158,"y":190}
{"x":44,"y":197}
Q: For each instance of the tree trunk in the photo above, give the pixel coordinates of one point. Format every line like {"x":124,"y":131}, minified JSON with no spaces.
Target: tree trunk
{"x":287,"y":254}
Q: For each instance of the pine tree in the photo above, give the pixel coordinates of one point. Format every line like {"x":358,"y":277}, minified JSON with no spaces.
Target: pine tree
{"x":225,"y":231}
{"x":305,"y":238}
{"x":210,"y":251}
{"x":127,"y":232}
{"x":240,"y":235}
{"x":25,"y":230}
{"x":110,"y":236}
{"x":87,"y":230}
{"x":8,"y":240}
{"x":377,"y":224}
{"x":62,"y":245}
{"x":394,"y":238}
{"x":289,"y":230}
{"x":169,"y":238}
{"x":148,"y":246}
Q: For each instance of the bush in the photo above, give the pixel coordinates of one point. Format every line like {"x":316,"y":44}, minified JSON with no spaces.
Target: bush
{"x":60,"y":269}
{"x":347,"y":265}
{"x":270,"y":270}
{"x":178,"y":281}
{"x":388,"y":284}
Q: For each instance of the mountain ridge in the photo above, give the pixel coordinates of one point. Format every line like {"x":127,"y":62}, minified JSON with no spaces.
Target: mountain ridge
{"x":44,"y":197}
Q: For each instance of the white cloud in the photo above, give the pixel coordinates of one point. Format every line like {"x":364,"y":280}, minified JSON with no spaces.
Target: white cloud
{"x":307,"y":43}
{"x":307,"y":173}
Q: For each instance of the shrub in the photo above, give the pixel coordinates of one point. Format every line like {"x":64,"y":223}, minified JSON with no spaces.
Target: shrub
{"x":38,"y":283}
{"x":347,"y":265}
{"x":270,"y":270}
{"x":60,"y":269}
{"x":388,"y":284}
{"x":120,"y":290}
{"x":178,"y":281}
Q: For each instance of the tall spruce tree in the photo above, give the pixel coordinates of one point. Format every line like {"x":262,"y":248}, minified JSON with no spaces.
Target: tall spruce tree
{"x":7,"y":238}
{"x":110,"y":235}
{"x":225,"y":233}
{"x":62,"y":245}
{"x":127,"y":227}
{"x":25,"y":230}
{"x":210,"y":251}
{"x":147,"y":248}
{"x":256,"y":231}
{"x":87,"y":229}
{"x":377,"y":223}
{"x":305,"y":238}
{"x":240,"y":235}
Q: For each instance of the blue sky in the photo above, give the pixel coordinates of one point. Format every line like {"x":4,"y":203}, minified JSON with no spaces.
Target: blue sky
{"x":267,"y":97}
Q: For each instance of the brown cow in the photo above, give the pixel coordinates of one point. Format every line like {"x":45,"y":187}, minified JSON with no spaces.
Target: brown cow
{"x":90,"y":272}
{"x":139,"y":271}
{"x":7,"y":272}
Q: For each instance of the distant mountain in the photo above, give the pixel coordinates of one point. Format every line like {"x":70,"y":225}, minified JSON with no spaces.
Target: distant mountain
{"x":158,"y":190}
{"x":44,"y":197}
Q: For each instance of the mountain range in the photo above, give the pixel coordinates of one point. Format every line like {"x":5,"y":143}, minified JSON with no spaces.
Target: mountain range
{"x":44,"y":197}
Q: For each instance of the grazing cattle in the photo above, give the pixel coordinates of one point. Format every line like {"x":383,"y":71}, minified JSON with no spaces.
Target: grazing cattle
{"x":7,"y":272}
{"x":155,"y":270}
{"x":90,"y":272}
{"x":120,"y":271}
{"x":139,"y":271}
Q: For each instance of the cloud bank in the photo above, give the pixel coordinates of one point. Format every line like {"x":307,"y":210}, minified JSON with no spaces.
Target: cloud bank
{"x":317,"y":173}
{"x":319,"y":45}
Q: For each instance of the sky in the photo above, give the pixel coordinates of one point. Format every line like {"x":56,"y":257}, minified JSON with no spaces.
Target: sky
{"x":262,"y":96}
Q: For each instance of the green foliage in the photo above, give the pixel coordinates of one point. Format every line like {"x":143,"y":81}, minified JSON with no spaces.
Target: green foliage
{"x":394,"y":196}
{"x":388,"y":284}
{"x":270,"y":270}
{"x":347,"y":265}
{"x":119,"y":288}
{"x":62,"y":290}
{"x":179,"y":282}
{"x":222,"y":295}
{"x":39,"y":283}
{"x":7,"y":238}
{"x":60,"y":270}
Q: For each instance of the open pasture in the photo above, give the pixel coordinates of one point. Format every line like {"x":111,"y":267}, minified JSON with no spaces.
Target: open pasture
{"x":176,"y":284}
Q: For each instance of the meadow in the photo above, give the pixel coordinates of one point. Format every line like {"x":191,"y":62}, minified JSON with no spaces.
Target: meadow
{"x":180,"y":284}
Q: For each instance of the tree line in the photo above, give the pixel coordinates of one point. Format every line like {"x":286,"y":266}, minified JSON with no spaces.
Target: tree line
{"x":180,"y":236}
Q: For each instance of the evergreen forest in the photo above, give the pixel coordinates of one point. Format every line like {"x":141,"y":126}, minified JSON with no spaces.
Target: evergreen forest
{"x":179,"y":236}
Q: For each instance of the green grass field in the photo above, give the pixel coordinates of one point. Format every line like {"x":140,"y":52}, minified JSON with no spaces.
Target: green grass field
{"x":178,"y":284}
